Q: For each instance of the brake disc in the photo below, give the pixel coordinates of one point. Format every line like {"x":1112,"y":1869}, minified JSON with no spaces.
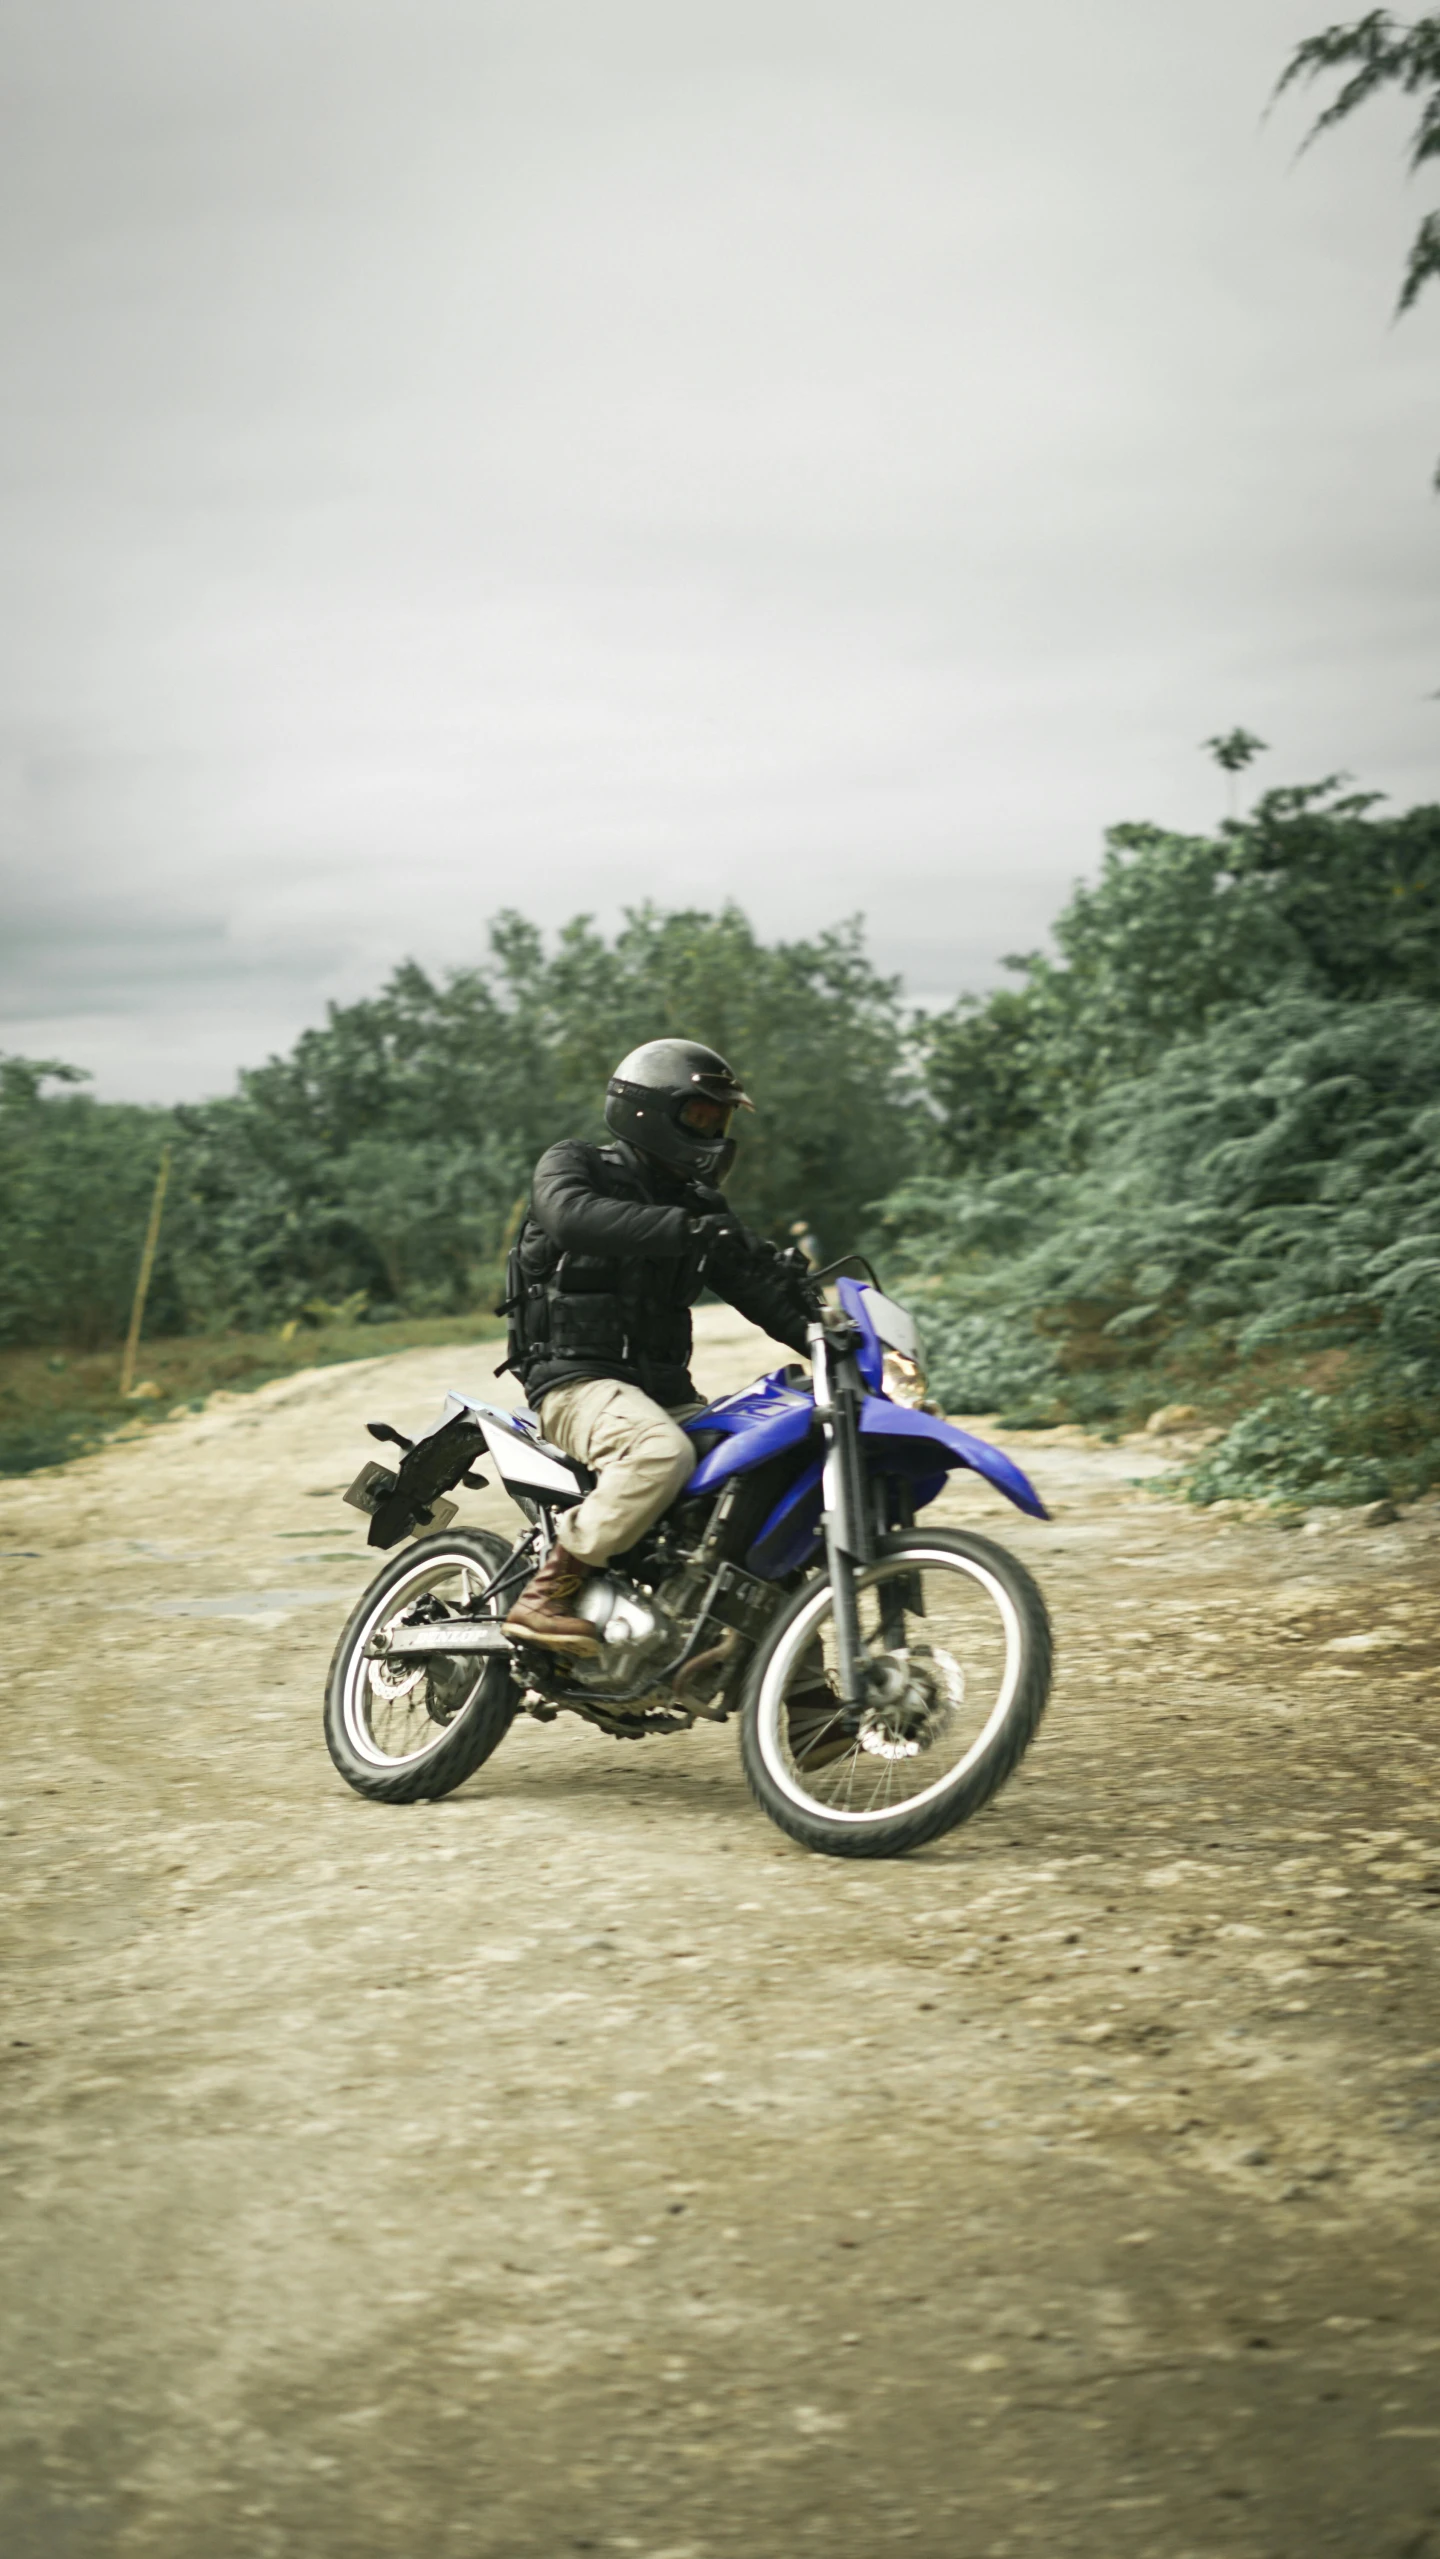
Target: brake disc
{"x":911,"y":1697}
{"x":393,"y":1684}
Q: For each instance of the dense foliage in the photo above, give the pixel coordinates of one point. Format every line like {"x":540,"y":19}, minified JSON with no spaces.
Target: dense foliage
{"x":76,"y":1178}
{"x":1193,"y":1152}
{"x":386,"y":1157}
{"x":1311,"y":892}
{"x":1207,"y":1141}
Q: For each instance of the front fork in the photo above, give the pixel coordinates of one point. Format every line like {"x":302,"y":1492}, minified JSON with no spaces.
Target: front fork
{"x":849,"y":1530}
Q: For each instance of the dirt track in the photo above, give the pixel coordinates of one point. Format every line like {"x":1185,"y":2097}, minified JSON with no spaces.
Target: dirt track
{"x":575,"y":2165}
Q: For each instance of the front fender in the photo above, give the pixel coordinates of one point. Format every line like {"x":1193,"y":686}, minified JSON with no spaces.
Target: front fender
{"x":926,"y":1445}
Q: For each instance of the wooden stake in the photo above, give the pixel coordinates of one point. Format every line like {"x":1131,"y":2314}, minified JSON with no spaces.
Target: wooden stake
{"x":142,"y":1284}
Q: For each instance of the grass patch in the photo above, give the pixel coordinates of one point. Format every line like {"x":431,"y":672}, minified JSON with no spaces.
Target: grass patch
{"x":55,"y":1404}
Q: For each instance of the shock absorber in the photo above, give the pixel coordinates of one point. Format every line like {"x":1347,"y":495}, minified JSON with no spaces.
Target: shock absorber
{"x":849,"y":1542}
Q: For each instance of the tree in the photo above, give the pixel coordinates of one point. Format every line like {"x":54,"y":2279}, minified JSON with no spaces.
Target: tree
{"x":1236,"y":749}
{"x":1232,"y":751}
{"x":76,"y":1177}
{"x":817,"y":1032}
{"x":1383,"y":52}
{"x":1380,"y":52}
{"x":388,"y":1151}
{"x":1310,"y":891}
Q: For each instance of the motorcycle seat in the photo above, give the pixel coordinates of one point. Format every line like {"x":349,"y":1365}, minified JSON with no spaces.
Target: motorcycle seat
{"x":703,"y":1441}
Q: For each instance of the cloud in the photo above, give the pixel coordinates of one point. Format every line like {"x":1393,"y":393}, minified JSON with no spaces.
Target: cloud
{"x":109,"y":960}
{"x":530,"y":454}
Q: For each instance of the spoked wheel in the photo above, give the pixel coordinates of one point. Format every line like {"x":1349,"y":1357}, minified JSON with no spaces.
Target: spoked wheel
{"x":398,"y":1730}
{"x":955,"y":1671}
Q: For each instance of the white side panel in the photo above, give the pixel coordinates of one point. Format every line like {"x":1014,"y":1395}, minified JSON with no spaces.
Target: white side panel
{"x":530,"y":1468}
{"x":524,"y":1459}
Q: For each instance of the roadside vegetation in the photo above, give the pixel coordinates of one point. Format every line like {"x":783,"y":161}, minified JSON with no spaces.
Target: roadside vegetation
{"x":358,"y":1194}
{"x":1195,"y":1155}
{"x":56,"y":1404}
{"x":1191,"y":1154}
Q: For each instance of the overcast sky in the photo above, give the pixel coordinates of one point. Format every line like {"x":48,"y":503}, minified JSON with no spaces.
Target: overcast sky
{"x":835,"y":453}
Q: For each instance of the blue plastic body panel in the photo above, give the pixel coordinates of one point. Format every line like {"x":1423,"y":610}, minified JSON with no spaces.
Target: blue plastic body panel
{"x":792,"y":1531}
{"x":760,"y":1423}
{"x":870,"y":1359}
{"x":770,"y":1417}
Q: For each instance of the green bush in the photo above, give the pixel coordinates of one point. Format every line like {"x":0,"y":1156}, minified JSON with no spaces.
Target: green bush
{"x":1268,"y":1190}
{"x":47,"y":1440}
{"x":1312,"y":893}
{"x":1299,"y":1446}
{"x":981,"y":1363}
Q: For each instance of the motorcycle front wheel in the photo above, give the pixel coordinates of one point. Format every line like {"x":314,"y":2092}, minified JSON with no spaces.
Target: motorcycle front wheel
{"x":955,"y":1659}
{"x":402,"y":1731}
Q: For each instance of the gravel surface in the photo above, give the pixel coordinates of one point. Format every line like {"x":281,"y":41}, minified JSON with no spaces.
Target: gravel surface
{"x":574,"y":2165}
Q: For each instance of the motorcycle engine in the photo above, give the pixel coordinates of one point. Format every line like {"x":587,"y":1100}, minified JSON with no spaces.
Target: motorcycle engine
{"x":637,"y":1633}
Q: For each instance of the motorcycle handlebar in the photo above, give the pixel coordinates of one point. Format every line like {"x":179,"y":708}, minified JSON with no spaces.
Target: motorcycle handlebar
{"x":813,"y":1290}
{"x":832,"y":1270}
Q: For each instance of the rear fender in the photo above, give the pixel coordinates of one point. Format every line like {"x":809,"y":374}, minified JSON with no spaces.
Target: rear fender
{"x":430,"y":1467}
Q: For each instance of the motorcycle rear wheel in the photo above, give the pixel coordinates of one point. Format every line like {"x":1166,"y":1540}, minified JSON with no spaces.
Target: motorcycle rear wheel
{"x":956,"y":1659}
{"x":406,"y":1734}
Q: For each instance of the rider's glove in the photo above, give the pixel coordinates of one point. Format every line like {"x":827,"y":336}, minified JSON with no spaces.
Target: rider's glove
{"x":720,"y":1227}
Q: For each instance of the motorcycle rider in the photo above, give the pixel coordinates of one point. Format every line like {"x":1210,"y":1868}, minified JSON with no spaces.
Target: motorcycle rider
{"x":616,"y":1246}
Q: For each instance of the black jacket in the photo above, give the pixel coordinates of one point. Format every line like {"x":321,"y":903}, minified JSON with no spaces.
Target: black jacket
{"x":607,"y":1270}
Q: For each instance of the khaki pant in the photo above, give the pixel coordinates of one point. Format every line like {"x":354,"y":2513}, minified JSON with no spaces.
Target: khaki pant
{"x":641,"y":1456}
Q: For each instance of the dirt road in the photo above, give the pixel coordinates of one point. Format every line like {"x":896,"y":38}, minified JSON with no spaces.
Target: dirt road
{"x":577,"y":2166}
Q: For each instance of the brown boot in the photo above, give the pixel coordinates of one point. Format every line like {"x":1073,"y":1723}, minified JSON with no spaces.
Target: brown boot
{"x":538,"y":1616}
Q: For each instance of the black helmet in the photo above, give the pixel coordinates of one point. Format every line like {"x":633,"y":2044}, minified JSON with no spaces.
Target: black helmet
{"x":675,"y":1099}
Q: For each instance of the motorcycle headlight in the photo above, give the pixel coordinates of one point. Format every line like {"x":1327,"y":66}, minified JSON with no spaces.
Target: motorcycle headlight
{"x":904,"y":1380}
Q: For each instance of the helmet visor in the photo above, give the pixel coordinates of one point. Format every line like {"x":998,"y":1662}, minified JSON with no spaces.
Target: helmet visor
{"x":700,"y":1117}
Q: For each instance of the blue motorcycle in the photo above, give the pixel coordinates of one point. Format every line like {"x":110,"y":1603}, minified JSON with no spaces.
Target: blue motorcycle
{"x":888,"y":1677}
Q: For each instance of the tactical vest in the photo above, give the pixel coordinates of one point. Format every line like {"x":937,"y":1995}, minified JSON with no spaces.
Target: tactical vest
{"x":586,"y":1313}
